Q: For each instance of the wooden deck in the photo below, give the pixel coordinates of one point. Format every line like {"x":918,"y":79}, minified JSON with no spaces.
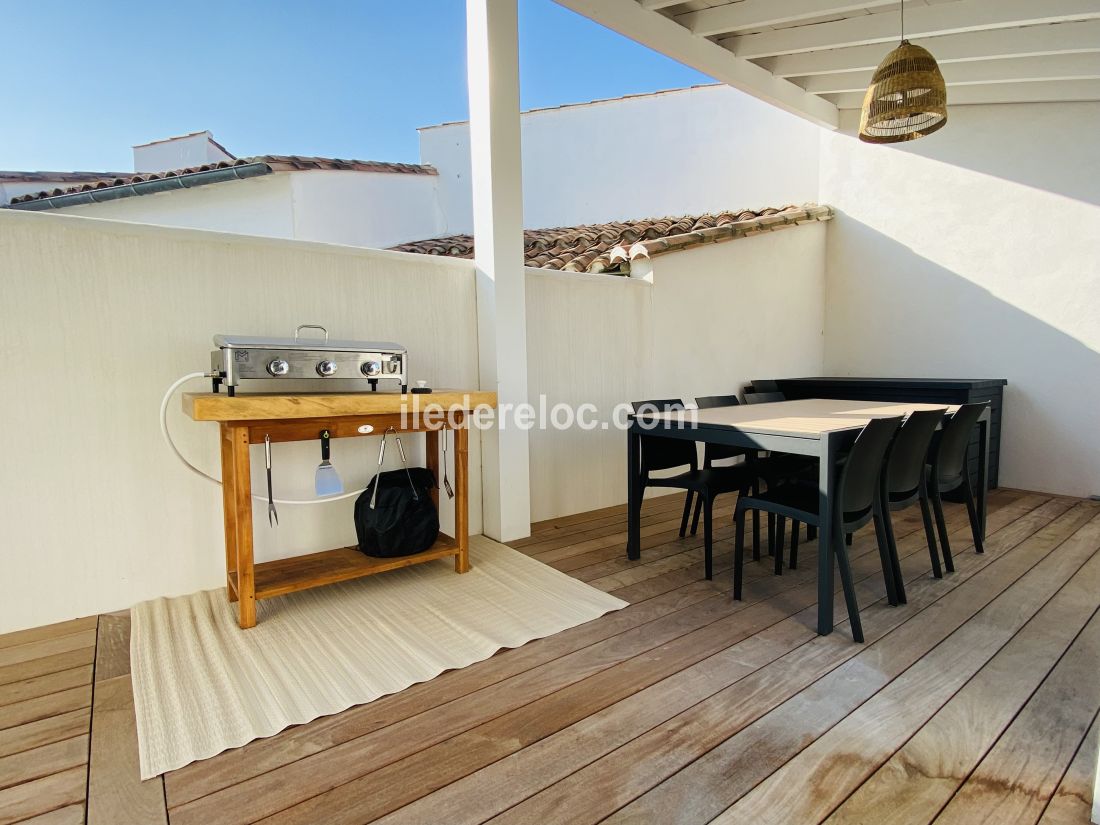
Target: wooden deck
{"x":976,"y":702}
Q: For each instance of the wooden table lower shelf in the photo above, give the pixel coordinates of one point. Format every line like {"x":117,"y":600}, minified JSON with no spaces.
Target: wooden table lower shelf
{"x":277,"y":578}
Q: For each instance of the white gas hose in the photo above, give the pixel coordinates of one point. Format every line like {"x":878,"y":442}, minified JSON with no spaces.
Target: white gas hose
{"x":168,"y":440}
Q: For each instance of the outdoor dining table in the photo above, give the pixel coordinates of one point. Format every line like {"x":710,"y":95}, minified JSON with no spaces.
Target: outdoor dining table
{"x":818,"y":427}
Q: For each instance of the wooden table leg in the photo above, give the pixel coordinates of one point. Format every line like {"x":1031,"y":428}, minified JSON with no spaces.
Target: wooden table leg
{"x":242,"y":505}
{"x":462,"y":498}
{"x":431,"y":460}
{"x":229,"y":513}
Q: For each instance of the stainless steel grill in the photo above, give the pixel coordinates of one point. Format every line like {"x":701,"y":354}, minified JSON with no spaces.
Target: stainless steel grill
{"x":240,"y":357}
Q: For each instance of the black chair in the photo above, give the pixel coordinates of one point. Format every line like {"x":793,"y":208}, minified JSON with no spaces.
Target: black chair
{"x":662,"y":453}
{"x":779,"y":468}
{"x":721,"y":452}
{"x":948,"y":470}
{"x":906,"y":482}
{"x":763,"y":397}
{"x":855,"y":503}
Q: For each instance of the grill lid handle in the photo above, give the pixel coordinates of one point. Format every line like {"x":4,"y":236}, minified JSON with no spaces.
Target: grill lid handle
{"x":300,"y":327}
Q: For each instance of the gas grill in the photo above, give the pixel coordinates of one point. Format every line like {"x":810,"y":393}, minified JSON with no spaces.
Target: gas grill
{"x":239,"y":357}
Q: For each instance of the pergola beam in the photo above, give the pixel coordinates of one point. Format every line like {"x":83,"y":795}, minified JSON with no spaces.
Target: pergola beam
{"x":1032,"y":41}
{"x":663,"y":35}
{"x":920,"y":21}
{"x":1012,"y":70}
{"x":756,"y":14}
{"x":1061,"y":91}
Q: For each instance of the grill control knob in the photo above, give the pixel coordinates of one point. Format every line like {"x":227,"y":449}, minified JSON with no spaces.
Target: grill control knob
{"x":278,"y":367}
{"x":370,"y":368}
{"x":326,"y":368}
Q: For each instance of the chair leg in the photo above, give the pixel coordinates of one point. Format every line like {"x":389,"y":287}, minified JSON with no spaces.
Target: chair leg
{"x":771,"y":534}
{"x":780,"y":530}
{"x":929,"y":534}
{"x":738,"y":550}
{"x":848,"y":538}
{"x":695,"y":516}
{"x":708,"y":528}
{"x":892,"y":546}
{"x":811,"y":532}
{"x":884,"y":558}
{"x":793,"y":564}
{"x":972,"y":513}
{"x":941,"y":526}
{"x":687,"y":512}
{"x":756,"y":524}
{"x":848,"y":585}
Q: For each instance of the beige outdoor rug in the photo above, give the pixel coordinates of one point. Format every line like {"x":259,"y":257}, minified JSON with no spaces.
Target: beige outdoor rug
{"x":202,"y":685}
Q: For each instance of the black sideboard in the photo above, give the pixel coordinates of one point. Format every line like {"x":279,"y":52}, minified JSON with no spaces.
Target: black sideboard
{"x":923,"y":390}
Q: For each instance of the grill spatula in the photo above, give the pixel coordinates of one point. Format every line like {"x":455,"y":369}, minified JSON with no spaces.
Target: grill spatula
{"x":327,"y":481}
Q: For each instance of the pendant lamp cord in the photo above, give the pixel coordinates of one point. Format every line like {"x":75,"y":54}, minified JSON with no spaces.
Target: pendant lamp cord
{"x":903,"y":20}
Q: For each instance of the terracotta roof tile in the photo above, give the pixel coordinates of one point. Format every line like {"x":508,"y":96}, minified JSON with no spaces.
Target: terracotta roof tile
{"x":610,"y":247}
{"x":277,"y":163}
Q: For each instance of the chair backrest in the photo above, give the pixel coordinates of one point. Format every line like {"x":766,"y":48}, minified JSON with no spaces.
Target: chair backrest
{"x":764,"y":386}
{"x":909,"y":452}
{"x":660,"y":453}
{"x":763,"y":397}
{"x":709,"y":402}
{"x":860,"y":476}
{"x":949,"y":454}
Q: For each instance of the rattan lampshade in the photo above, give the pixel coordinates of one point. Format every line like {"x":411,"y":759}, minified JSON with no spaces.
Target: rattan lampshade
{"x":907,"y":98}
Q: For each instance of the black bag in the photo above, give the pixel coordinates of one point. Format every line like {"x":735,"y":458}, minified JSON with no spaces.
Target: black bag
{"x":395,"y":514}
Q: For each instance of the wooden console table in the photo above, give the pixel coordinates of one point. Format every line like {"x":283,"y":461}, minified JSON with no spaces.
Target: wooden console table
{"x":247,"y":419}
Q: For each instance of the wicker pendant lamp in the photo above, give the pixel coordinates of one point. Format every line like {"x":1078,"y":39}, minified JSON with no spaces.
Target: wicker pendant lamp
{"x":907,"y":98}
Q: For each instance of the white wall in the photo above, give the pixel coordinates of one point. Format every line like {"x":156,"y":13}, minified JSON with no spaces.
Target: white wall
{"x":713,"y":318}
{"x":975,"y":253}
{"x":99,"y":317}
{"x":675,"y":153}
{"x":374,"y":209}
{"x":371,"y":209}
{"x":254,"y":206}
{"x":178,"y":153}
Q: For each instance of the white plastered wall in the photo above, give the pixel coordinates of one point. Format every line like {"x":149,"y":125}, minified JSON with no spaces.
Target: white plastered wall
{"x":713,"y":318}
{"x":975,"y":253}
{"x":681,"y":152}
{"x":99,"y":318}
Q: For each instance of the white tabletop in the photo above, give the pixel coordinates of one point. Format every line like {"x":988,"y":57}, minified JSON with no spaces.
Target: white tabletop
{"x":804,"y":418}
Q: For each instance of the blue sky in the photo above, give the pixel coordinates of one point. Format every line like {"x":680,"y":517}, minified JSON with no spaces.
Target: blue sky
{"x":83,"y":81}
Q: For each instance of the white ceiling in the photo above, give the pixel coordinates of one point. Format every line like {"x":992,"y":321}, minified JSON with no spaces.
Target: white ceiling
{"x":815,"y":57}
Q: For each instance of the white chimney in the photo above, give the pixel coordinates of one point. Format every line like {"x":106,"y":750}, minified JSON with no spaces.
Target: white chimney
{"x":195,"y":149}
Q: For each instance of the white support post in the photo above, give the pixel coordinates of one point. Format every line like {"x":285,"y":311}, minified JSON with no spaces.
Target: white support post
{"x":492,"y":59}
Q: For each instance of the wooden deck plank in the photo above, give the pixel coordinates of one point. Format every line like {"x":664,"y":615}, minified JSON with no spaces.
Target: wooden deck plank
{"x":69,"y":815}
{"x":38,"y":686}
{"x":44,"y":731}
{"x":693,"y":777}
{"x":112,"y":650}
{"x":47,"y":632}
{"x":43,"y":761}
{"x":1019,"y":775}
{"x":46,"y":647}
{"x":34,"y":668}
{"x":42,"y":707}
{"x":1072,"y":801}
{"x":42,"y":796}
{"x":116,"y":794}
